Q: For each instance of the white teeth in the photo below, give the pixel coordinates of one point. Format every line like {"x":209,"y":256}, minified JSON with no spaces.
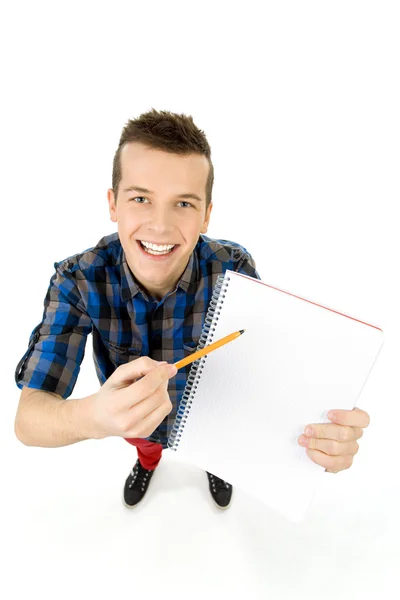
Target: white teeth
{"x":158,"y":248}
{"x":157,"y":253}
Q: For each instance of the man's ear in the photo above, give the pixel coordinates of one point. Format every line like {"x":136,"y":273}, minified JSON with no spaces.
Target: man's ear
{"x":204,"y":227}
{"x":111,"y":205}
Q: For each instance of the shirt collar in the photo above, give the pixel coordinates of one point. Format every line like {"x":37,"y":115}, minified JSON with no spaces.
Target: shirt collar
{"x":189,"y":275}
{"x":130,"y":287}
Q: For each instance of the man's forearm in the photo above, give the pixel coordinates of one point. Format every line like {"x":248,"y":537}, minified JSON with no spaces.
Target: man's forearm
{"x":49,"y":422}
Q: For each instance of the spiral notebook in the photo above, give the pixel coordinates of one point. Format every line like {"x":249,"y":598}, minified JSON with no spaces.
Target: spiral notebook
{"x":245,"y":404}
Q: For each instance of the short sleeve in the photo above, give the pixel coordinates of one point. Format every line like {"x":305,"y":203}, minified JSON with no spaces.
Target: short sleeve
{"x":246,"y":265}
{"x":57,"y":345}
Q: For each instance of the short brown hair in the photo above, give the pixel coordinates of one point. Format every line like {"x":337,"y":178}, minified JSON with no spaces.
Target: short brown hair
{"x":164,"y":130}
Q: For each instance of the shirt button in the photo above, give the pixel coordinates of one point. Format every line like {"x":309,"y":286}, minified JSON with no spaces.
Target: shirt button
{"x":157,"y":338}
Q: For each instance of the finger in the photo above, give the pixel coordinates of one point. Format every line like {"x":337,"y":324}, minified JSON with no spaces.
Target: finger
{"x":332,"y":447}
{"x":352,"y":418}
{"x":128,"y":373}
{"x":142,"y":409}
{"x":150,"y":422}
{"x":332,"y":464}
{"x":147,"y":385}
{"x":341,"y":433}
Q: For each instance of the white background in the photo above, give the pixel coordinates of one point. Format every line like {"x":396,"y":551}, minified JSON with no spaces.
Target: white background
{"x":300,"y":103}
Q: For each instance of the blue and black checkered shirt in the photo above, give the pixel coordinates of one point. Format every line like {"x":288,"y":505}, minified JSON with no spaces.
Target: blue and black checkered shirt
{"x":95,"y":292}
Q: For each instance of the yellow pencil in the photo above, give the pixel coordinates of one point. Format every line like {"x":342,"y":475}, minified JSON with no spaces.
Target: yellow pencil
{"x":207,"y":349}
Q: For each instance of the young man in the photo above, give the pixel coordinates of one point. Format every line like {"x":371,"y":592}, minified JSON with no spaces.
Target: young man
{"x":143,"y":294}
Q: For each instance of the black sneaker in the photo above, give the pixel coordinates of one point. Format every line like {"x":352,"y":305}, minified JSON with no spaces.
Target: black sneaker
{"x":136,"y":484}
{"x":221,"y":491}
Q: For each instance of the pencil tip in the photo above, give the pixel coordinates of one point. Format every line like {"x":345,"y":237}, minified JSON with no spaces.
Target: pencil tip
{"x":242,"y":331}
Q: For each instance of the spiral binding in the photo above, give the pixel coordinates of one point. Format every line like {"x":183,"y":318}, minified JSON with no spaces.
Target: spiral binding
{"x":196,"y":369}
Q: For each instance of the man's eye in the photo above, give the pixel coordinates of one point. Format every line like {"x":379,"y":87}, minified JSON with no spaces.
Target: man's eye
{"x":185,"y":203}
{"x":139,"y":199}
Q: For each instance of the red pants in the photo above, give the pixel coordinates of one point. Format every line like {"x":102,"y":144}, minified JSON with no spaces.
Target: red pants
{"x":149,"y":453}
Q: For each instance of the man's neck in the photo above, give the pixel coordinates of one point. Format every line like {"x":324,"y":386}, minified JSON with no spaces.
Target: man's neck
{"x":158,"y":294}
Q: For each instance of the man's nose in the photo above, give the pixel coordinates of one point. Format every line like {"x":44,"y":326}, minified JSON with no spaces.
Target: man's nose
{"x":160,"y":220}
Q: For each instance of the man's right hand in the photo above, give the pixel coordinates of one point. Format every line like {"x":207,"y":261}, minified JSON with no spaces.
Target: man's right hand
{"x":130,"y":408}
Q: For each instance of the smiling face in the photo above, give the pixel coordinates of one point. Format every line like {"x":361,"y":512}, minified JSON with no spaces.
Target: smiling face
{"x":160,"y":211}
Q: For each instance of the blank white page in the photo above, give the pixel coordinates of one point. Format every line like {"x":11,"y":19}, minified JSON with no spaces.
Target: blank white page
{"x":294,"y":363}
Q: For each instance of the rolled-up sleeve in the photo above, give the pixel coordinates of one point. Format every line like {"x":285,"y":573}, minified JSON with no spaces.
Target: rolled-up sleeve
{"x":57,"y":345}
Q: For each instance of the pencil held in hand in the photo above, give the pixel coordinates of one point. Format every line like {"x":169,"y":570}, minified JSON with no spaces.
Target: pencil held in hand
{"x":208,"y":349}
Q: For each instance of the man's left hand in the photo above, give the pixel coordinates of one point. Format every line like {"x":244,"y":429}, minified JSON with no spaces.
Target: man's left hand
{"x":334,"y":446}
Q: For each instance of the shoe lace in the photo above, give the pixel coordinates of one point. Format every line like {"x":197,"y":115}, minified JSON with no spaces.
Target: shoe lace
{"x":140,"y":476}
{"x":218,"y":484}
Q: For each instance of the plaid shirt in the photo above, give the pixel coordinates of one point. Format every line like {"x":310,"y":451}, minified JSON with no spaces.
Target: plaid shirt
{"x":95,"y":292}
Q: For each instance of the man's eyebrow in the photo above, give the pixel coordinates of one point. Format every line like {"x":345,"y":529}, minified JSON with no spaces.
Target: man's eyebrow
{"x":135,"y":188}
